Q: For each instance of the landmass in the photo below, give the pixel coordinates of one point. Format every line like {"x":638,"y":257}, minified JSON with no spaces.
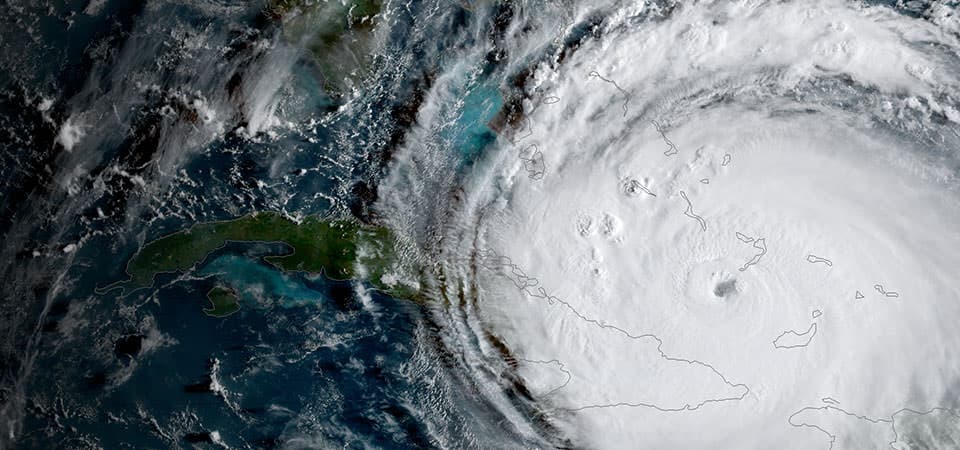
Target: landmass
{"x":793,"y":339}
{"x":340,"y":249}
{"x":759,"y":243}
{"x":884,"y":431}
{"x":689,"y":212}
{"x":335,"y":34}
{"x":814,"y":259}
{"x":532,"y":159}
{"x":884,"y":292}
{"x":632,"y":187}
{"x":224,"y":301}
{"x":671,"y":147}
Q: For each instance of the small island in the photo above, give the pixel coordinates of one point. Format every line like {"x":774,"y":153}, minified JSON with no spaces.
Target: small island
{"x":340,"y":249}
{"x":224,"y":300}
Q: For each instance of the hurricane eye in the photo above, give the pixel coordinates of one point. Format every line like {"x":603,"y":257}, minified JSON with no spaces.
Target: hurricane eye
{"x":725,"y":288}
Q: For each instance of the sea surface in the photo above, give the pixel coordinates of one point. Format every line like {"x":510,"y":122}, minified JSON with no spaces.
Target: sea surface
{"x":121,"y":122}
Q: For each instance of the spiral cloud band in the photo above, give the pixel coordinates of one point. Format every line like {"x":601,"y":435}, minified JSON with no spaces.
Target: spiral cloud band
{"x":732,"y":227}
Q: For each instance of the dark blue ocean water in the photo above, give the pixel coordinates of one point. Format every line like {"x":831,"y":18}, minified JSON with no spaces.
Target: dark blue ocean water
{"x":323,"y":362}
{"x":307,"y":362}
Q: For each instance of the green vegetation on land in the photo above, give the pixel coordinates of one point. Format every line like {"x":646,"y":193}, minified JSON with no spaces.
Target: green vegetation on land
{"x":224,"y":301}
{"x":341,"y":249}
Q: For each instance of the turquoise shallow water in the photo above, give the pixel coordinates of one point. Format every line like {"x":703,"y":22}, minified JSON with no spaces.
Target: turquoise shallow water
{"x":470,"y":134}
{"x":259,"y":284}
{"x":306,"y":362}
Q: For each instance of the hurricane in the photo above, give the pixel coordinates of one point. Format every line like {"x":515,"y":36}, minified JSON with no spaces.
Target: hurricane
{"x":481,"y":224}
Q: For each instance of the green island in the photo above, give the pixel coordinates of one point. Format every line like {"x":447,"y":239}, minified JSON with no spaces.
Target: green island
{"x":224,"y":300}
{"x":340,"y":249}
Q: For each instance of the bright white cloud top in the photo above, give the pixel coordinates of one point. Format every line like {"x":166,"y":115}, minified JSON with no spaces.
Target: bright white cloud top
{"x":743,"y":232}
